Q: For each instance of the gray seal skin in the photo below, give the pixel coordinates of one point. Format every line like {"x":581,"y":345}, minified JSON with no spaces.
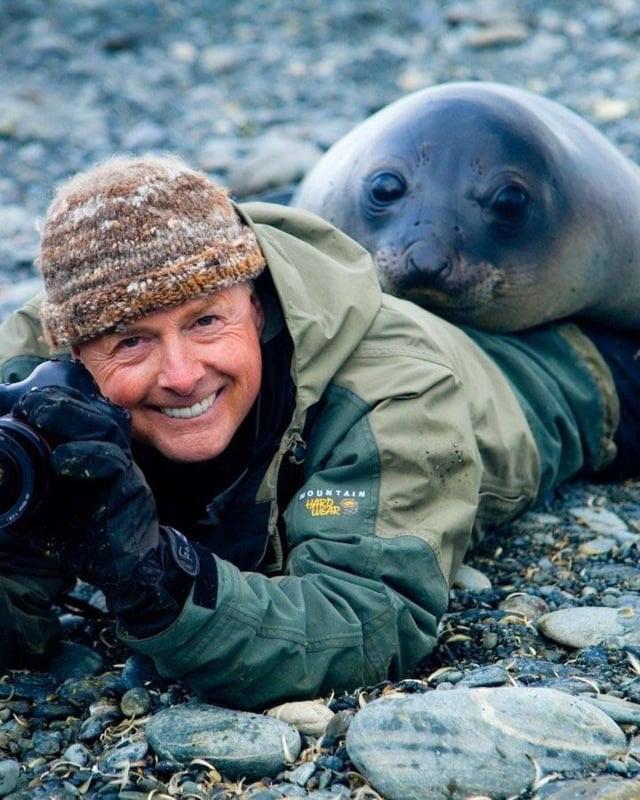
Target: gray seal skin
{"x":490,"y":205}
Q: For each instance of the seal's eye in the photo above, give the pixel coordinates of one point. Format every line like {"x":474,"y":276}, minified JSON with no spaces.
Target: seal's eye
{"x":511,"y":203}
{"x":387,"y":187}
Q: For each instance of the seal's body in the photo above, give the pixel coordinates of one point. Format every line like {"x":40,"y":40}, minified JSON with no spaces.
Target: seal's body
{"x":490,"y":205}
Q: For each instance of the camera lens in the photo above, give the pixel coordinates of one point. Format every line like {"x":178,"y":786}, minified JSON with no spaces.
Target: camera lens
{"x":10,"y":481}
{"x":24,"y":470}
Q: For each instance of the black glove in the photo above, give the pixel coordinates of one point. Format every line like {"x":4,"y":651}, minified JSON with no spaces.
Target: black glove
{"x":104,"y":515}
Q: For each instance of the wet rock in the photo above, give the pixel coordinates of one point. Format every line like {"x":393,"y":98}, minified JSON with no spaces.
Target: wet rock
{"x":9,"y":776}
{"x":239,"y":744}
{"x":309,"y":717}
{"x":470,"y":579}
{"x":444,"y":745}
{"x":586,"y":626}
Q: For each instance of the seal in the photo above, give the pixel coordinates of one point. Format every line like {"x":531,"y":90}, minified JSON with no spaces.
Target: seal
{"x":490,"y":205}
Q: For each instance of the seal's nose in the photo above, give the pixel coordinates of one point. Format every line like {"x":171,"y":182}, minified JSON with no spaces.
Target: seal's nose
{"x":428,"y":263}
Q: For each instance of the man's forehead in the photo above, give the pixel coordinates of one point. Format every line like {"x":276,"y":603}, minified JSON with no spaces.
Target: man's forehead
{"x":220,"y":300}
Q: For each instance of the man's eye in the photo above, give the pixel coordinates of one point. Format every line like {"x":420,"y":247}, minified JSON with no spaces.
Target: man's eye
{"x":205,"y":321}
{"x":130,"y":342}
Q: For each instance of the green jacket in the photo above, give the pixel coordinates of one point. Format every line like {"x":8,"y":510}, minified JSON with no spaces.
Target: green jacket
{"x":420,"y":439}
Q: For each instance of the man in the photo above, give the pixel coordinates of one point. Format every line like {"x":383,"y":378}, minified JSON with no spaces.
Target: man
{"x":309,"y":458}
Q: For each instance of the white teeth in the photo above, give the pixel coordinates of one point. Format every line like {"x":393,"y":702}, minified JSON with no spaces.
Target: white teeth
{"x":192,"y":411}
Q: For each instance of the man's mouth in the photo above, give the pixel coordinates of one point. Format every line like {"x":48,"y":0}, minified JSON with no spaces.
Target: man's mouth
{"x":196,"y":410}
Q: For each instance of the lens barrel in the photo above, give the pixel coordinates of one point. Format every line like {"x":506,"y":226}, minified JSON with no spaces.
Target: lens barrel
{"x":24,"y":472}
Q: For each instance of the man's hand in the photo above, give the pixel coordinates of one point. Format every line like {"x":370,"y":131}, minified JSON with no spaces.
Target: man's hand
{"x":107,"y":530}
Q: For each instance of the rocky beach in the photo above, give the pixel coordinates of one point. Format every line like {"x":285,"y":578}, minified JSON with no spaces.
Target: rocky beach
{"x":534,"y":689}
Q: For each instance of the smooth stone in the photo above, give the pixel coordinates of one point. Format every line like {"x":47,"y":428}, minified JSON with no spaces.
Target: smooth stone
{"x":77,"y":754}
{"x":449,"y":745}
{"x":620,"y":711}
{"x":47,"y":743}
{"x":528,"y":606}
{"x":586,"y":626}
{"x":75,"y":661}
{"x":117,"y":758}
{"x":620,"y":575}
{"x":499,"y":34}
{"x":96,"y":723}
{"x":600,"y":520}
{"x":492,"y":675}
{"x":138,"y":670}
{"x":135,"y":702}
{"x":238,"y":743}
{"x":310,"y":717}
{"x":598,"y":547}
{"x":9,"y":776}
{"x":278,"y":161}
{"x":602,"y":787}
{"x":470,"y":579}
{"x":337,"y":728}
{"x":300,"y":775}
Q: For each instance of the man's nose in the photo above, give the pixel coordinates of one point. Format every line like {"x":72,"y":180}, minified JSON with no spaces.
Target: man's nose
{"x":180,"y":367}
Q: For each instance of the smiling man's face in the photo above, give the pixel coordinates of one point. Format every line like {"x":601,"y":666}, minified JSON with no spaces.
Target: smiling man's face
{"x":188,"y":375}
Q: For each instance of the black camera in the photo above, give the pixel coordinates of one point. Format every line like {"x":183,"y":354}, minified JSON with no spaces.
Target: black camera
{"x":24,"y":455}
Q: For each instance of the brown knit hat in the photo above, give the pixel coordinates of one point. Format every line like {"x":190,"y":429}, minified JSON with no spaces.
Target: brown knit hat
{"x":133,"y":236}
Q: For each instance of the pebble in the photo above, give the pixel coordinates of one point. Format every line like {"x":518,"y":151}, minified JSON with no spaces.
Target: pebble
{"x":493,"y":675}
{"x":123,"y":755}
{"x":310,"y":717}
{"x":337,"y":728}
{"x":450,"y":745}
{"x":277,"y":161}
{"x":77,"y":754}
{"x":135,"y":702}
{"x":72,"y":660}
{"x":529,"y":606}
{"x":600,"y":520}
{"x":239,"y":744}
{"x":9,"y":776}
{"x":470,"y":579}
{"x":603,"y":787}
{"x":598,"y":547}
{"x":582,"y":627}
{"x":621,"y":711}
{"x":499,"y":33}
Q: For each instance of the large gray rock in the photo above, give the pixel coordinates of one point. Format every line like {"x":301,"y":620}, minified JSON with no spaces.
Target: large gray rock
{"x":239,"y":744}
{"x":450,"y":745}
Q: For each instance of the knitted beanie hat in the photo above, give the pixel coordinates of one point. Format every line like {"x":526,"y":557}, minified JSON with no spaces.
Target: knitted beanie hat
{"x":133,"y":236}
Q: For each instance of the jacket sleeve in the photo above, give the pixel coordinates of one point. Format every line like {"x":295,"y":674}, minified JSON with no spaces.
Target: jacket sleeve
{"x":382,"y":519}
{"x":22,"y":345}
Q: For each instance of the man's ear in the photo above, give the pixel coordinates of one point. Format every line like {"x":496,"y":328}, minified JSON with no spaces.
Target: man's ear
{"x":257,"y":312}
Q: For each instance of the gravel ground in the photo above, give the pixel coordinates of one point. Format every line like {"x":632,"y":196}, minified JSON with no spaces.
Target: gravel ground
{"x":253,"y":93}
